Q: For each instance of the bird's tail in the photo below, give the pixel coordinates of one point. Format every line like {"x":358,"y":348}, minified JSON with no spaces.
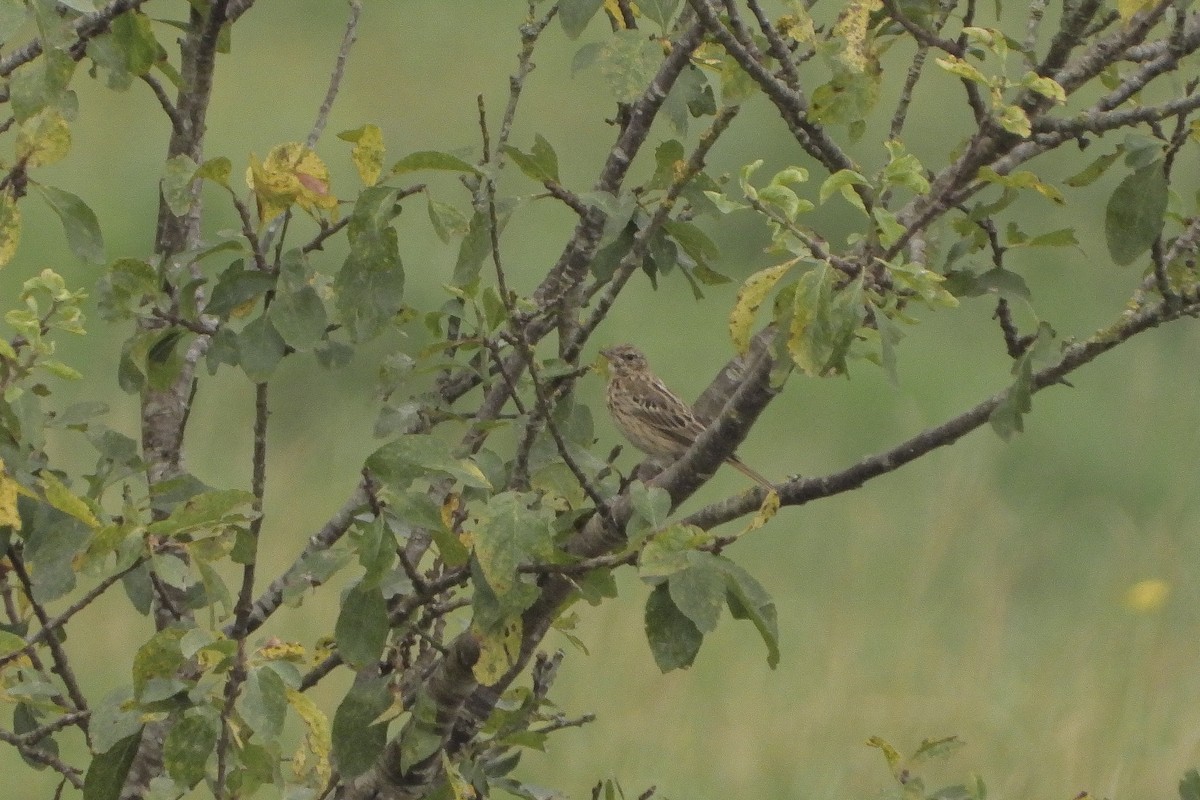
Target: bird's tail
{"x":737,"y":464}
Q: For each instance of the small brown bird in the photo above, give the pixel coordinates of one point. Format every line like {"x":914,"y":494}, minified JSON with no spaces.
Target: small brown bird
{"x":649,"y":414}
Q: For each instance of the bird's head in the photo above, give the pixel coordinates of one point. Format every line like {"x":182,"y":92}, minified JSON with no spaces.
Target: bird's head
{"x":624,"y":359}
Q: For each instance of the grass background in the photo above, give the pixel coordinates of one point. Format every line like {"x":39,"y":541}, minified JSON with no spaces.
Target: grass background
{"x":978,"y":592}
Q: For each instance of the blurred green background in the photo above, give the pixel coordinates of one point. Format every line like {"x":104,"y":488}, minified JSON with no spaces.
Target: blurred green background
{"x":978,"y":592}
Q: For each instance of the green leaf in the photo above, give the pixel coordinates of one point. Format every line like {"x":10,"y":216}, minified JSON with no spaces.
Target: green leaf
{"x":236,"y":287}
{"x":113,"y":721}
{"x":216,"y":170}
{"x":299,"y":317}
{"x":108,"y":770}
{"x":674,"y":639}
{"x":1095,"y":169}
{"x":629,"y":61}
{"x":447,"y":220}
{"x":370,"y":285}
{"x":575,"y":15}
{"x":1002,"y":281}
{"x":432,"y":159}
{"x":846,"y":99}
{"x":159,"y":657}
{"x":165,"y":356}
{"x":53,"y":539}
{"x":79,"y":223}
{"x":540,"y":164}
{"x":749,"y":297}
{"x":264,"y":703}
{"x":362,"y":626}
{"x":10,"y":643}
{"x":694,"y":241}
{"x":188,"y":745}
{"x":206,"y":511}
{"x":748,"y":599}
{"x":1008,"y":417}
{"x":177,"y":184}
{"x":844,"y":181}
{"x":823,"y":322}
{"x":43,"y":83}
{"x":260,"y":348}
{"x":698,"y":590}
{"x":661,"y":11}
{"x":1136,"y":212}
{"x":651,"y":508}
{"x":357,"y":743}
{"x":414,"y":456}
{"x":510,"y":534}
{"x":126,"y":283}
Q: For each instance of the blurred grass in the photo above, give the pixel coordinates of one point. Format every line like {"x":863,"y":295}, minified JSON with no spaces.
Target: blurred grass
{"x":977,"y":592}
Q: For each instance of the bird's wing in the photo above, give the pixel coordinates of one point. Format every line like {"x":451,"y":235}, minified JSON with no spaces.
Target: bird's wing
{"x":661,"y":408}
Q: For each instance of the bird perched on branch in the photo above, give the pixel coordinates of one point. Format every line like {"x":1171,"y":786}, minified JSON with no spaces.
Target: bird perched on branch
{"x":652,"y":417}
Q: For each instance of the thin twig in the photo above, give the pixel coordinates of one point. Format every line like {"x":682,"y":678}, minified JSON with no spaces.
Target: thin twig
{"x":53,"y":624}
{"x":62,"y":664}
{"x":74,"y":776}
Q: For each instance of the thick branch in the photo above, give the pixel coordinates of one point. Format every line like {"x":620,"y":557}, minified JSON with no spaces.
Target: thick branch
{"x":804,"y":490}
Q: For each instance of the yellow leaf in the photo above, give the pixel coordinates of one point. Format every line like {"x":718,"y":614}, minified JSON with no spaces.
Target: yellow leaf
{"x":10,"y":227}
{"x":60,"y":497}
{"x":613,"y":9}
{"x":768,"y":509}
{"x":1148,"y":595}
{"x":367,"y":153}
{"x":279,"y":650}
{"x":498,"y":652}
{"x":9,"y":489}
{"x":1127,"y":8}
{"x":852,"y":27}
{"x":749,"y":298}
{"x":291,"y":173}
{"x":450,"y":506}
{"x":317,"y":742}
{"x":43,"y":139}
{"x":460,"y":788}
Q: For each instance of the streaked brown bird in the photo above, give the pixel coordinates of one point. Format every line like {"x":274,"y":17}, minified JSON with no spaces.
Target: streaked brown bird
{"x":652,"y":417}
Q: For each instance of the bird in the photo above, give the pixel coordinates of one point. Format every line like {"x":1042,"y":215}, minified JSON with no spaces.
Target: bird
{"x":652,"y":417}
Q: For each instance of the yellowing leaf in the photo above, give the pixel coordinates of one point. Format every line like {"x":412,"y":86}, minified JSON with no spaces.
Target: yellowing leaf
{"x":43,"y":139}
{"x":460,"y":787}
{"x":853,"y":27}
{"x":9,"y":489}
{"x":279,"y":650}
{"x":1046,"y":87}
{"x":613,"y":9}
{"x":291,"y":173}
{"x":749,"y":298}
{"x":60,"y":497}
{"x":1127,"y":8}
{"x":798,"y":25}
{"x":768,"y":509}
{"x":367,"y":153}
{"x":498,"y":651}
{"x":317,"y":742}
{"x":10,"y":227}
{"x":956,"y":66}
{"x":1014,"y":120}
